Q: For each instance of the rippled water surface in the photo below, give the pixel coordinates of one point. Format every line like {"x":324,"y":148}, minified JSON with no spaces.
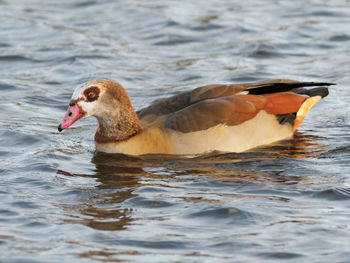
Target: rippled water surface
{"x":62,"y":202}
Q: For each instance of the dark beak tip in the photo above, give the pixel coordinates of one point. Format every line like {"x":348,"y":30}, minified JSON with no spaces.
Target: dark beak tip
{"x":59,"y":128}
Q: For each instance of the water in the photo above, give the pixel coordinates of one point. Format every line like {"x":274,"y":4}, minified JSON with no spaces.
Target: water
{"x":62,"y":202}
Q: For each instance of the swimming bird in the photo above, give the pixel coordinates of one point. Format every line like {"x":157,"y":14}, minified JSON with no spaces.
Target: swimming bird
{"x":217,"y":117}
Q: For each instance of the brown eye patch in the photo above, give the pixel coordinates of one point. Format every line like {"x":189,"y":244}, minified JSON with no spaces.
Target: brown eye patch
{"x":92,"y":93}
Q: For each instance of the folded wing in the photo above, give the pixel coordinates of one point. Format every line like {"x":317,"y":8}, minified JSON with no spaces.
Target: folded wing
{"x":232,"y":104}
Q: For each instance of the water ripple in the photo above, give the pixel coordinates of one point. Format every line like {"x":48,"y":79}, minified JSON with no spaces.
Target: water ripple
{"x":61,"y":201}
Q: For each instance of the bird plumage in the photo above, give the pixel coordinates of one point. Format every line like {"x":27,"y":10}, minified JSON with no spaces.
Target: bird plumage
{"x":221,"y":117}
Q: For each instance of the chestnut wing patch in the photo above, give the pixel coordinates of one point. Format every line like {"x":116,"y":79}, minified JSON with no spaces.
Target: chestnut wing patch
{"x":205,"y":114}
{"x":283,"y":103}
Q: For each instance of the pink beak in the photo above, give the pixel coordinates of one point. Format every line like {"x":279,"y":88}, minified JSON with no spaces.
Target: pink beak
{"x":72,"y":115}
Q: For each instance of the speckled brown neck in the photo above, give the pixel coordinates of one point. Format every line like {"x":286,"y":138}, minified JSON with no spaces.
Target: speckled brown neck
{"x":117,"y":120}
{"x":121,"y":129}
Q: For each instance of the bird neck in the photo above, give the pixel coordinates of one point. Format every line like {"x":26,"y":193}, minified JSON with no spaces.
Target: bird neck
{"x":118,"y":126}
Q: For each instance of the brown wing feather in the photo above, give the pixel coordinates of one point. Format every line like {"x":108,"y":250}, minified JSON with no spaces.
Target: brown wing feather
{"x":185,"y":99}
{"x":216,"y":91}
{"x":274,"y":81}
{"x":208,"y":113}
{"x":215,"y":104}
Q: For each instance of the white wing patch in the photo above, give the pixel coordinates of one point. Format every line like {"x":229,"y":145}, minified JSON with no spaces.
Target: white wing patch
{"x":244,"y":92}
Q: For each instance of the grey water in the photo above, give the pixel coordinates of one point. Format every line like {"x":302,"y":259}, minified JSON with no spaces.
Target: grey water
{"x":60,"y":201}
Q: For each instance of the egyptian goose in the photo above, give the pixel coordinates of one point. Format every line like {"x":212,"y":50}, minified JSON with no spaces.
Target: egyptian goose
{"x":226,"y":118}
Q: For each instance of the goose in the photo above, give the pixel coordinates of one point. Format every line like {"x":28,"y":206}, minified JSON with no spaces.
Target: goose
{"x":216,"y":117}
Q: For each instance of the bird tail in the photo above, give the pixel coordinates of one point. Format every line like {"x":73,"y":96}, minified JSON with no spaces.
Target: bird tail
{"x":315,"y":94}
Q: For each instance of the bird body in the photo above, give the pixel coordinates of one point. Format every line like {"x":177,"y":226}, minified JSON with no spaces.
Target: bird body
{"x":238,"y":138}
{"x":226,"y":118}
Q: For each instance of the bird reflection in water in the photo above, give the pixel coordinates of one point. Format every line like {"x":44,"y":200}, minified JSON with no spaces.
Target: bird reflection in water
{"x":119,"y":177}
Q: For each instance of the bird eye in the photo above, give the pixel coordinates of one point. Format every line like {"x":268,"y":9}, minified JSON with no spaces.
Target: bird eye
{"x":92,"y":93}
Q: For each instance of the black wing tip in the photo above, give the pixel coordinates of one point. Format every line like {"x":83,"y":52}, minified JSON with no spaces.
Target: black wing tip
{"x":266,"y":88}
{"x":321,"y":91}
{"x":318,"y":83}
